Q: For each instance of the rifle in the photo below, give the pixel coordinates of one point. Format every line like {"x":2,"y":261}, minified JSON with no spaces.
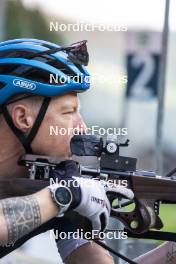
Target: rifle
{"x":150,"y":189}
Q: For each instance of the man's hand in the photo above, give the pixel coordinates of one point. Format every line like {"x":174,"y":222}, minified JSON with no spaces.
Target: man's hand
{"x":94,"y":203}
{"x":89,"y":196}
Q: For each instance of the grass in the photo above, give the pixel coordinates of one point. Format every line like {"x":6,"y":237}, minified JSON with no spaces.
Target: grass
{"x":168,"y":216}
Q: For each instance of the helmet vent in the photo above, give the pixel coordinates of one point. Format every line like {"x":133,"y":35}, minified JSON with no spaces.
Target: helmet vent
{"x":2,"y":85}
{"x":55,"y":63}
{"x":27,"y":72}
{"x":16,"y":54}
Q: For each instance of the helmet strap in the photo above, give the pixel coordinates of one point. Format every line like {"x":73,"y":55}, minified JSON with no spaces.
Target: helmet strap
{"x":27,"y":140}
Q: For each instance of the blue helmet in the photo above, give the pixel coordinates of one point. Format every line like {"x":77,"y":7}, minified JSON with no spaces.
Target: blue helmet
{"x":27,"y":67}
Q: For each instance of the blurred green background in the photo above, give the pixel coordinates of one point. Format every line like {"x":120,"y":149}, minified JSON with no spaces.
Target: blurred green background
{"x":21,"y":22}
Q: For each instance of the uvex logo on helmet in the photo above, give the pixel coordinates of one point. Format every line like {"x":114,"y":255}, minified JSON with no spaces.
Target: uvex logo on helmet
{"x":24,"y":84}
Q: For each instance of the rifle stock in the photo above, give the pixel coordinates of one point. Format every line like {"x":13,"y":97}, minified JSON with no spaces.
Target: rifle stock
{"x":160,"y":188}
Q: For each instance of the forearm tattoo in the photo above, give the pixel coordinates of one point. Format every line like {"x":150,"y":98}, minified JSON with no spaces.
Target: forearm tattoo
{"x":22,"y":215}
{"x":171,"y":255}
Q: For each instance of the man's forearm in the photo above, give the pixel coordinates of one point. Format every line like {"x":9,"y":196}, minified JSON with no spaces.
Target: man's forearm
{"x":164,"y":254}
{"x":21,"y":215}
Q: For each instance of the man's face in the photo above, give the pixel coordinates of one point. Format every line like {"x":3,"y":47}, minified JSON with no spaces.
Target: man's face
{"x":62,"y":115}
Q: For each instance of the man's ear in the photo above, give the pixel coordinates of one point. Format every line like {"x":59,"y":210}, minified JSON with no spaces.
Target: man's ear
{"x":22,"y":118}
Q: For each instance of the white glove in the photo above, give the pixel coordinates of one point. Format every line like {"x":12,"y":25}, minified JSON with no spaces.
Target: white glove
{"x":94,"y":203}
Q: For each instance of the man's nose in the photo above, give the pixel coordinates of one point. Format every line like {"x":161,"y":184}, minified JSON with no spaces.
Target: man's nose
{"x":79,"y":124}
